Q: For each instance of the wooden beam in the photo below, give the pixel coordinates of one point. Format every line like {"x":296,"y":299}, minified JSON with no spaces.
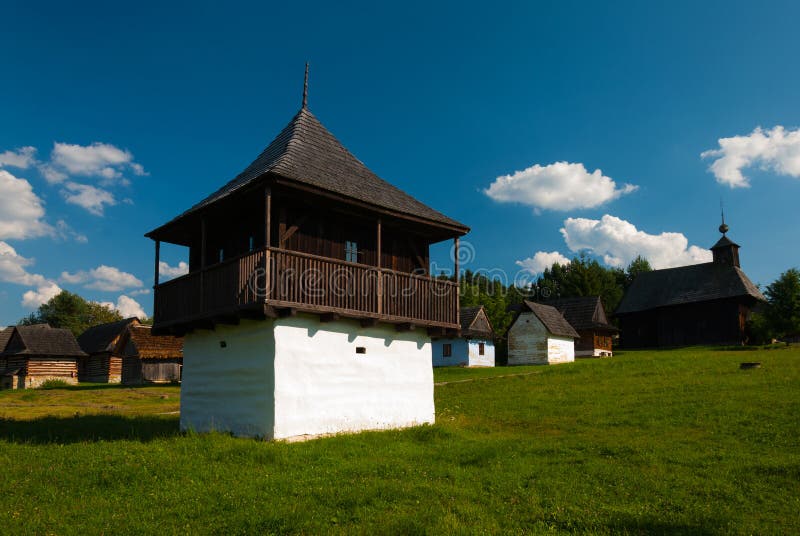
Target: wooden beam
{"x":415,"y":251}
{"x":374,"y":208}
{"x":458,"y":282}
{"x":329,"y":317}
{"x":406,"y":326}
{"x":287,"y":234}
{"x":267,"y":238}
{"x":379,"y":256}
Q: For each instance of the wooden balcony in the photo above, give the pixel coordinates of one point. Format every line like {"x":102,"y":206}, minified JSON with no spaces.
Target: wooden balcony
{"x":272,"y":281}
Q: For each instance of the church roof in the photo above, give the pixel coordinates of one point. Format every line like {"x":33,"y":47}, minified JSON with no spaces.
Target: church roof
{"x":553,"y":320}
{"x":306,"y":153}
{"x":724,"y":242}
{"x":687,"y":284}
{"x":583,"y":312}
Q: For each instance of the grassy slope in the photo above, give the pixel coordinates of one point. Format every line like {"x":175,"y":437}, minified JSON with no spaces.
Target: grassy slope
{"x":665,"y":442}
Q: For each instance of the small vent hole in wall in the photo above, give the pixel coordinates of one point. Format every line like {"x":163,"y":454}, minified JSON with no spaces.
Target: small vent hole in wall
{"x":361,"y":350}
{"x":223,"y":344}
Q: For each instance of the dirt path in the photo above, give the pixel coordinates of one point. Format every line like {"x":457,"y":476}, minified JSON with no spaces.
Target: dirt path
{"x":488,"y":378}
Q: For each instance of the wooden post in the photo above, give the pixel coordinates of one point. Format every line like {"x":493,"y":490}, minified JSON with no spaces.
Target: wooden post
{"x":379,"y":254}
{"x":267,"y":238}
{"x":458,"y":282}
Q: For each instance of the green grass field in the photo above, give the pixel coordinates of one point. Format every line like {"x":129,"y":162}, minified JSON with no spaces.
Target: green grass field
{"x":665,"y":442}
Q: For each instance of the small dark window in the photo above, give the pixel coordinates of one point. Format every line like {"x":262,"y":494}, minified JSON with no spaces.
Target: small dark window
{"x":447,"y":349}
{"x":221,"y":254}
{"x":223,"y":344}
{"x":361,"y":350}
{"x":481,"y":348}
{"x":252,"y":244}
{"x":350,"y":251}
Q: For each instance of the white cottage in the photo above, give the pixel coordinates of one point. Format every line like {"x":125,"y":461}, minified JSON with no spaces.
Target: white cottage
{"x":308,"y":307}
{"x":473,"y":348}
{"x":540,"y":335}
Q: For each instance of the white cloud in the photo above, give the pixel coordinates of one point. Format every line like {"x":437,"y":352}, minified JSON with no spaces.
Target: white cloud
{"x":542,"y":260}
{"x":101,"y":160}
{"x":86,"y":196}
{"x":107,"y":278}
{"x":13,"y":268}
{"x":32,"y":299}
{"x":22,"y":158}
{"x":21,"y":210}
{"x":777,"y":150}
{"x":140,"y":292}
{"x":168,"y":271}
{"x":558,"y":186}
{"x":127,"y":307}
{"x":64,"y":231}
{"x":619,"y":242}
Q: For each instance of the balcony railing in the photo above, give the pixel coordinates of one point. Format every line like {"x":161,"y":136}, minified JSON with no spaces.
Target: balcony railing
{"x":310,"y":283}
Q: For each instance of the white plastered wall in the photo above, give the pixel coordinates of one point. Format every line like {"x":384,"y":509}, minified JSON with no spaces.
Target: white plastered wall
{"x":475,"y":357}
{"x":323,"y":386}
{"x":296,"y":376}
{"x":229,"y":389}
{"x":560,"y":349}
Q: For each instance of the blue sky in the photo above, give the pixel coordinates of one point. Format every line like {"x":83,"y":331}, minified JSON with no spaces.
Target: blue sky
{"x":136,"y":111}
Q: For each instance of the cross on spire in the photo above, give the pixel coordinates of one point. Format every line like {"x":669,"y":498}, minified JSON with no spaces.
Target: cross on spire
{"x":305,"y":89}
{"x":724,"y":227}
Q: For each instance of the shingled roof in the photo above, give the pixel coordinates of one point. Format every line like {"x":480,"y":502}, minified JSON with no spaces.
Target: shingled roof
{"x":5,"y":335}
{"x":583,"y":312}
{"x":42,"y":340}
{"x":553,"y":320}
{"x":143,"y":344}
{"x":687,"y":284}
{"x":103,"y":338}
{"x":307,"y":153}
{"x":475,"y":322}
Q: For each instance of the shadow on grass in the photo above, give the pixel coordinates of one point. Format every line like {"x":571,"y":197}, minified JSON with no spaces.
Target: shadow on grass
{"x":88,"y":428}
{"x":101,"y":386}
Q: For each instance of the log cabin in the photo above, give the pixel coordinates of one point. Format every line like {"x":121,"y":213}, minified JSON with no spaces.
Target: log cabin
{"x":706,"y":303}
{"x":474,"y":347}
{"x":126,"y":352}
{"x":37,"y":353}
{"x":588,"y":316}
{"x":308,"y":308}
{"x":540,"y":335}
{"x":150,"y":359}
{"x":103,"y":364}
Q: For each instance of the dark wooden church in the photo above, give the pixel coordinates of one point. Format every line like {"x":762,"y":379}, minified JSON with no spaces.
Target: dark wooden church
{"x":705,"y":303}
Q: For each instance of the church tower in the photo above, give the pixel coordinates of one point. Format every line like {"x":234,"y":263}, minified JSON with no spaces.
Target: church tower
{"x":725,"y":251}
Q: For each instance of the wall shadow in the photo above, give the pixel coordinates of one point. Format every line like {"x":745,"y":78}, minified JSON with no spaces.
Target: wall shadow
{"x":88,"y":428}
{"x":103,"y":386}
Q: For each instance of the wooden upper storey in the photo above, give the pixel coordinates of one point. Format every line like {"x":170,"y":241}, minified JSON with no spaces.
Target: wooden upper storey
{"x":305,"y":204}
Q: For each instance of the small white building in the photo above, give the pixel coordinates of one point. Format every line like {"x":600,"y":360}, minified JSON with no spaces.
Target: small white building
{"x":540,"y":335}
{"x":475,"y":346}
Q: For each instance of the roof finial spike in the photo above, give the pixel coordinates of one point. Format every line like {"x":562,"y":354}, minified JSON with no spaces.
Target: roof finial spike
{"x":724,"y":227}
{"x":305,"y":89}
